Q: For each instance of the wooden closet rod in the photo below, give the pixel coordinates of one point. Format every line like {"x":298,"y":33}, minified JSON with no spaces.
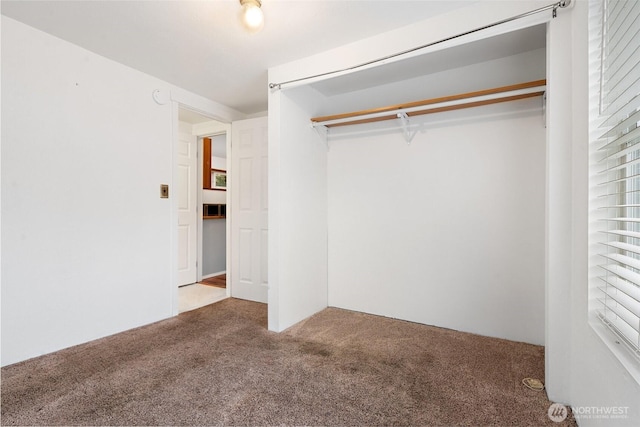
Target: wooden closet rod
{"x":436,"y":105}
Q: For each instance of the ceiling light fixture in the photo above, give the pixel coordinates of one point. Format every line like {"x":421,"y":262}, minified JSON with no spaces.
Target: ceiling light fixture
{"x":251,"y":15}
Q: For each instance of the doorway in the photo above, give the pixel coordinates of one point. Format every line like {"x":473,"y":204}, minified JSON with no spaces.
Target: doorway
{"x":202,"y":234}
{"x":247,"y":202}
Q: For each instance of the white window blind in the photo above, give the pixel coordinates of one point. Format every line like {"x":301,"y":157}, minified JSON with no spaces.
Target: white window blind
{"x":617,"y":174}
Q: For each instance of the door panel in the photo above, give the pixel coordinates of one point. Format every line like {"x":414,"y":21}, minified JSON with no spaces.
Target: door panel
{"x":248,"y":186}
{"x":187,"y":212}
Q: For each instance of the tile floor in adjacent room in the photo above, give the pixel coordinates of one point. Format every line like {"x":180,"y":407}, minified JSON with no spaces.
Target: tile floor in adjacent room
{"x":196,"y":295}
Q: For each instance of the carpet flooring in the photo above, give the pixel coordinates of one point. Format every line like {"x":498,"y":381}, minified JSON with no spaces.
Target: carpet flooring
{"x":218,"y":365}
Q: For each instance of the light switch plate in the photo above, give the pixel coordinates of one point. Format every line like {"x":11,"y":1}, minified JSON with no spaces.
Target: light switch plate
{"x":164,"y":191}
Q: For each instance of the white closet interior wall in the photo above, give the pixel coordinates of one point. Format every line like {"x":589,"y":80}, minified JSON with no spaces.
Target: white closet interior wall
{"x":448,"y":230}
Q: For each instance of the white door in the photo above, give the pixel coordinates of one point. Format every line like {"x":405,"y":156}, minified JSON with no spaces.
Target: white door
{"x":248,"y":187}
{"x":187,"y":212}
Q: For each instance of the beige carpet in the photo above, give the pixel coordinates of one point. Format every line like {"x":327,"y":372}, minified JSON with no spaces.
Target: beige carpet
{"x":220,"y":366}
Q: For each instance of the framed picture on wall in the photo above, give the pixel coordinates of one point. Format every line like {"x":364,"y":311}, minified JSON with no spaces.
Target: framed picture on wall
{"x":218,"y":179}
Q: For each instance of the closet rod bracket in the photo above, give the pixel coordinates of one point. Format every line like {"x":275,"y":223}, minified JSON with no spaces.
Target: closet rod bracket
{"x":408,"y":135}
{"x":323,"y":132}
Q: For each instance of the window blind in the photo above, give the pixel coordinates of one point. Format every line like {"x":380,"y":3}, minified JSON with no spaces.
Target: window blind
{"x":618,"y":170}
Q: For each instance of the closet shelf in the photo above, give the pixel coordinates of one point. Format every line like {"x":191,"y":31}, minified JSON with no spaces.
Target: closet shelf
{"x":435,"y":105}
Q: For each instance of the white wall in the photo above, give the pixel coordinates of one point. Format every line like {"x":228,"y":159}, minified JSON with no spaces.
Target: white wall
{"x":214,"y":246}
{"x":214,"y":197}
{"x":219,"y":162}
{"x":87,"y":243}
{"x":298,"y":225}
{"x":448,"y":230}
{"x":218,"y":146}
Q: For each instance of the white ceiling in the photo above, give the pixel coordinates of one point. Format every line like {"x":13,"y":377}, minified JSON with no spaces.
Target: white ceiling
{"x":200,"y":45}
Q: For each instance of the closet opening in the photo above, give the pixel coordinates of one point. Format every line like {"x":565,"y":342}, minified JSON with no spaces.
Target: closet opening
{"x":448,"y":230}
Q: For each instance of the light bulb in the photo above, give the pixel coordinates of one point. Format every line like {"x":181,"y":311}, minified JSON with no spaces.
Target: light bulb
{"x":251,"y":15}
